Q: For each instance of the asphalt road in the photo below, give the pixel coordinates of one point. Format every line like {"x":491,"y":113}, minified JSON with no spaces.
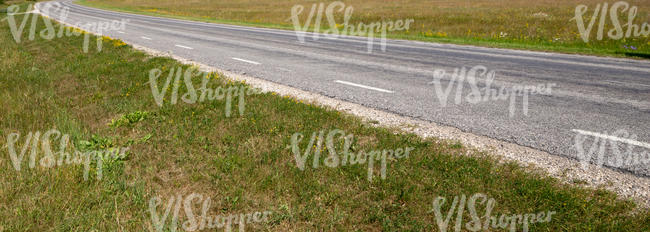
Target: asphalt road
{"x":591,"y":97}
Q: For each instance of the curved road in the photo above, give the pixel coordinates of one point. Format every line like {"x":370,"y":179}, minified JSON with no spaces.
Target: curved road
{"x":592,"y":98}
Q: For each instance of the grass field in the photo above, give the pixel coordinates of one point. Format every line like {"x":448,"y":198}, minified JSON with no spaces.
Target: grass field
{"x":102,"y":99}
{"x":521,"y":24}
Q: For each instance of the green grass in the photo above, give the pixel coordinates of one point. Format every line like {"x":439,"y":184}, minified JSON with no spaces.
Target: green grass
{"x":242,"y":161}
{"x":129,"y":119}
{"x":479,"y":23}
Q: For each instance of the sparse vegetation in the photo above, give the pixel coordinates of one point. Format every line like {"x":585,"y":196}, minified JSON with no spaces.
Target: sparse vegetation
{"x":129,"y":119}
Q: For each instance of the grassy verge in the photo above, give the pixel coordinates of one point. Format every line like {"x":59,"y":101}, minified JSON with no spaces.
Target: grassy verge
{"x":514,"y":24}
{"x":103,"y":99}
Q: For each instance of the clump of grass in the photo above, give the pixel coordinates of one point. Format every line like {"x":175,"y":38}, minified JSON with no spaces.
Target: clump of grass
{"x":456,"y":145}
{"x":112,"y":157}
{"x":129,"y":119}
{"x":96,"y":143}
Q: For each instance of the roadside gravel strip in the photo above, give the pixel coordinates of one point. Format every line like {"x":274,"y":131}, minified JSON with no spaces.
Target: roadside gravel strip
{"x":569,"y":170}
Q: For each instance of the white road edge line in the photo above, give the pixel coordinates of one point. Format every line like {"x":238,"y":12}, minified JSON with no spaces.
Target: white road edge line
{"x":618,"y":82}
{"x":121,"y":32}
{"x":614,"y":138}
{"x":186,"y":47}
{"x":247,"y":61}
{"x":364,"y":86}
{"x":147,"y":38}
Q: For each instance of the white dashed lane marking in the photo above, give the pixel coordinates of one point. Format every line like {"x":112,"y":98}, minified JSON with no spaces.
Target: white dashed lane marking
{"x":247,"y":61}
{"x":364,"y":86}
{"x":613,"y":138}
{"x":186,"y":47}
